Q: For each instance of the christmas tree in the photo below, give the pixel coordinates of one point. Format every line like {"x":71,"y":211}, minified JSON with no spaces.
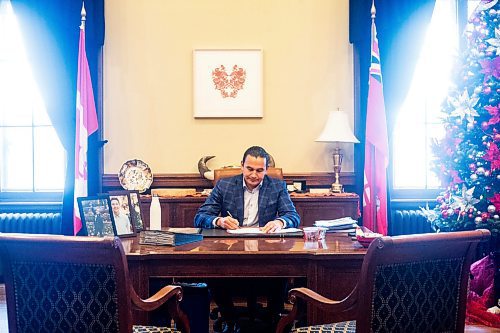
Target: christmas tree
{"x":468,"y":157}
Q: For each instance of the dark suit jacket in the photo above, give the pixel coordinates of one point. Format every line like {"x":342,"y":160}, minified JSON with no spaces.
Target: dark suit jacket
{"x":227,"y":195}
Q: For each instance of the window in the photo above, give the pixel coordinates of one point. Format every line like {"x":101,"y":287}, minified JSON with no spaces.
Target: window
{"x":33,"y":159}
{"x":418,"y":121}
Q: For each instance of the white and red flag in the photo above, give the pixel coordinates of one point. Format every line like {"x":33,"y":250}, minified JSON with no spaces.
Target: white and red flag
{"x":376,"y":146}
{"x":86,"y":124}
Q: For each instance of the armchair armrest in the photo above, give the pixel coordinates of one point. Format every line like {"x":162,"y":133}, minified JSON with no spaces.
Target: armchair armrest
{"x":172,"y":295}
{"x":341,"y":310}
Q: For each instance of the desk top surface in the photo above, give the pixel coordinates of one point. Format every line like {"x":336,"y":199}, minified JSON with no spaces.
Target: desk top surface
{"x":338,"y":245}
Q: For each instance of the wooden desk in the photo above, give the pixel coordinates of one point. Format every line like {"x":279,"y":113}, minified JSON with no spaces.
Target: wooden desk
{"x":331,"y":267}
{"x":180,"y":211}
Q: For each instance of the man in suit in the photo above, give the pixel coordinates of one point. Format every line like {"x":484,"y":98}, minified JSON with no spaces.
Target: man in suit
{"x":252,"y":199}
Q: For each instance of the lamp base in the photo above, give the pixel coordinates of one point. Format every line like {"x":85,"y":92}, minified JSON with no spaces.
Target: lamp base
{"x":336,"y":188}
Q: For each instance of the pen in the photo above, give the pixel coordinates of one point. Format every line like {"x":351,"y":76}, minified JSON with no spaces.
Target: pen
{"x":229,"y":213}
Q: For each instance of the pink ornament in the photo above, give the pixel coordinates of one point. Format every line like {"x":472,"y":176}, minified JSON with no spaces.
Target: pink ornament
{"x":496,"y":137}
{"x":484,"y":125}
{"x":485,"y":216}
{"x":487,"y":90}
{"x":445,"y":214}
{"x":472,"y":167}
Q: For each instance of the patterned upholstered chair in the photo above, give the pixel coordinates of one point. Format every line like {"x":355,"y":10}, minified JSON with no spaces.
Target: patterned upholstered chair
{"x":75,"y":284}
{"x":413,"y":283}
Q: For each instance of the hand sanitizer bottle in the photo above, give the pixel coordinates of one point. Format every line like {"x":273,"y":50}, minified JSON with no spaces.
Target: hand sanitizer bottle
{"x":155,"y":213}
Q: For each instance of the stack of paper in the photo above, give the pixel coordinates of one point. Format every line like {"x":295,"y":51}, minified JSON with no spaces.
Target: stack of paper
{"x":344,"y":224}
{"x":156,"y":237}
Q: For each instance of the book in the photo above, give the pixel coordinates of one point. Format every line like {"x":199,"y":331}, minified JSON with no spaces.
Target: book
{"x":157,"y":237}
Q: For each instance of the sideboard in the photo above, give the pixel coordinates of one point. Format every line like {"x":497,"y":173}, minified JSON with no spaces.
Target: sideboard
{"x":180,"y":211}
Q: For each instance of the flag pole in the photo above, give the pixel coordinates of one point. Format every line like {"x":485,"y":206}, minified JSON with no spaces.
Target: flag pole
{"x":373,"y":174}
{"x":86,"y":124}
{"x":376,"y":146}
{"x":83,"y":13}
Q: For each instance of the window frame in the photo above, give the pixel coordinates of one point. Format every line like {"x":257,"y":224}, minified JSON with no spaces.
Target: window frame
{"x":414,"y":194}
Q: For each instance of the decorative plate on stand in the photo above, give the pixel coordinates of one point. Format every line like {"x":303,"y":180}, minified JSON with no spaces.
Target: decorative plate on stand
{"x":135,"y":175}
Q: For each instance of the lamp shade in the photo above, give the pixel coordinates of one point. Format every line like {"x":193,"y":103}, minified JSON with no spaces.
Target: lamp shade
{"x":337,"y":129}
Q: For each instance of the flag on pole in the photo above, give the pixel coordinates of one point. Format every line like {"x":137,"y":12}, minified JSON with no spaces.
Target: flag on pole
{"x":86,"y":124}
{"x":376,"y":145}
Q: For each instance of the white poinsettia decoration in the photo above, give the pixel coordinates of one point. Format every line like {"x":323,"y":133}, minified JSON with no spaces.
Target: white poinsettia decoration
{"x":430,"y":214}
{"x":494,"y":42}
{"x":466,"y":201}
{"x":464,"y":106}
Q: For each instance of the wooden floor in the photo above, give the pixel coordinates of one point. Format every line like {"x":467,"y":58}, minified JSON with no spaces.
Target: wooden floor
{"x":4,"y":325}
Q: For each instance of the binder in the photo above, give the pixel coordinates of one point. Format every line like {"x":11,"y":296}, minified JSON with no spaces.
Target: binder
{"x":157,"y":237}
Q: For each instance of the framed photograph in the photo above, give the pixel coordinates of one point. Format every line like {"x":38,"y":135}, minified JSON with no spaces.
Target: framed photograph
{"x":227,"y":83}
{"x":120,"y":208}
{"x":96,"y":215}
{"x":135,"y":210}
{"x":299,"y":185}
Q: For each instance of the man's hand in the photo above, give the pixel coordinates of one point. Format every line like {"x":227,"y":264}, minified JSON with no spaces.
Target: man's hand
{"x":227,"y":223}
{"x":273,"y":226}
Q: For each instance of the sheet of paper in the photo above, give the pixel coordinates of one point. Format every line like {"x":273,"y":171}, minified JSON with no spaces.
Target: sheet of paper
{"x":344,"y":221}
{"x":243,"y":231}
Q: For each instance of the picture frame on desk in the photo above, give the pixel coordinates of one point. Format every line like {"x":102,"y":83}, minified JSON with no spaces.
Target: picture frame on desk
{"x":136,"y":211}
{"x":96,"y":216}
{"x":297,"y":186}
{"x":121,"y":213}
{"x":227,"y":83}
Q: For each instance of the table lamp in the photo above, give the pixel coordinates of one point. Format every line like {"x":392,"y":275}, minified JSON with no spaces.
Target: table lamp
{"x":337,"y":129}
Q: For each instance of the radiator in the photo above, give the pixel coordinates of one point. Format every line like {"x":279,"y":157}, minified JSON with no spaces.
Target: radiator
{"x":406,"y":222}
{"x":32,"y":223}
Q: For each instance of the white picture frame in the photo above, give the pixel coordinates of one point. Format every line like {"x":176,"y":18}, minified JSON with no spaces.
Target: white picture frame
{"x":227,"y":83}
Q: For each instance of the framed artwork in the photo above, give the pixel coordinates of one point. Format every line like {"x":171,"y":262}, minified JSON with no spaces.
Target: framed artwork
{"x":96,"y":215}
{"x":227,"y":83}
{"x":120,"y":208}
{"x":136,"y":211}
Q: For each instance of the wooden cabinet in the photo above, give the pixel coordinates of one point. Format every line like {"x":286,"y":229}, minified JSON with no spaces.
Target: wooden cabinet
{"x":180,"y":211}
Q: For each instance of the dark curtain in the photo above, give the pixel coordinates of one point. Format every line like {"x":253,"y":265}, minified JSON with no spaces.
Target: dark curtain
{"x":50,"y":31}
{"x":401,"y":27}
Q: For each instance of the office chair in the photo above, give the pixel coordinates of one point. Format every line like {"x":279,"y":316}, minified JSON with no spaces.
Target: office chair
{"x":229,"y":172}
{"x":58,"y":283}
{"x":411,"y":283}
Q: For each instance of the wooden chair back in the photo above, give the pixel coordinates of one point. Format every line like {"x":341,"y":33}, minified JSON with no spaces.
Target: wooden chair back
{"x":68,"y":284}
{"x":229,"y":172}
{"x":411,"y":283}
{"x":414,"y":282}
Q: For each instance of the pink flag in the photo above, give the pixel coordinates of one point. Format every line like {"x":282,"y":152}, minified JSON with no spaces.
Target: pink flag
{"x":376,"y":147}
{"x":86,"y":124}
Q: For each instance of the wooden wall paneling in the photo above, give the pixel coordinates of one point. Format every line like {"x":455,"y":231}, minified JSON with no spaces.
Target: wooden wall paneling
{"x":180,"y":211}
{"x":110,"y":182}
